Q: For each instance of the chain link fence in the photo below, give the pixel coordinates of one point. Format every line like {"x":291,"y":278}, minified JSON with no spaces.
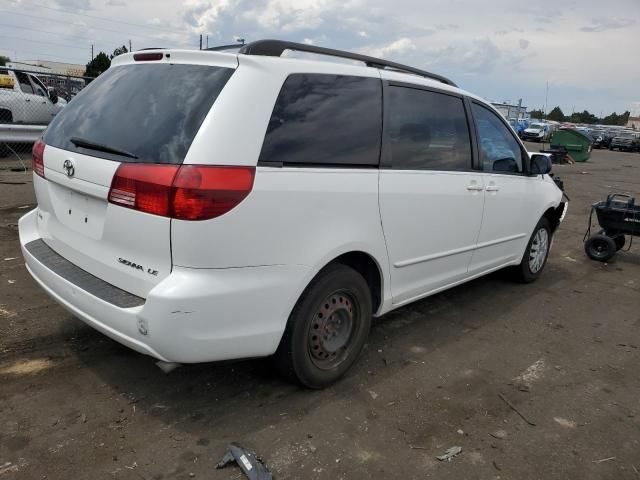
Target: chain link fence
{"x":29,"y":100}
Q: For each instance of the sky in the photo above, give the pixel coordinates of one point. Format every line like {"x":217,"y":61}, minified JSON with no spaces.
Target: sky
{"x":587,"y":51}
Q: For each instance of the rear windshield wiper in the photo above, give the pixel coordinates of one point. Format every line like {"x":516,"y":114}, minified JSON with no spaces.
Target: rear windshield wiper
{"x":83,"y":143}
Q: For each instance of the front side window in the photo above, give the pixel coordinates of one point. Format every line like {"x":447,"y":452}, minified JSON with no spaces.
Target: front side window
{"x":320,"y":119}
{"x":427,"y":130}
{"x":40,"y":88}
{"x":499,"y":150}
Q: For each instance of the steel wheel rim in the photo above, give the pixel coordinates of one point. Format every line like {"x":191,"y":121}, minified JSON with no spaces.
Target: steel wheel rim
{"x":331,"y":330}
{"x":538,"y":250}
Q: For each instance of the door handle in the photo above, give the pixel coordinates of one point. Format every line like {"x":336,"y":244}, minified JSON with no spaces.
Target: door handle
{"x":492,"y":188}
{"x":474,"y":188}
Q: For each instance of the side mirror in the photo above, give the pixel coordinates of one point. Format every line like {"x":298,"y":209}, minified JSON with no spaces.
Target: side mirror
{"x":53,"y":94}
{"x":540,"y":164}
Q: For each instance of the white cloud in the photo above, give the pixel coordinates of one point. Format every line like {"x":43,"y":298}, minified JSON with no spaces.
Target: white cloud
{"x":524,"y":43}
{"x":397,"y":47}
{"x":602,"y":24}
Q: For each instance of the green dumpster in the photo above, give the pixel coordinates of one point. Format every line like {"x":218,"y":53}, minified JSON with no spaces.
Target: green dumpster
{"x":578,"y":144}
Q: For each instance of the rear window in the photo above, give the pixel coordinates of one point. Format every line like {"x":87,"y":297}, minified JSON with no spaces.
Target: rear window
{"x":152,"y":111}
{"x":325,"y":120}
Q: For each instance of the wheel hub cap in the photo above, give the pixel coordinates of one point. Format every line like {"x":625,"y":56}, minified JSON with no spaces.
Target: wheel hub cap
{"x":538,"y":250}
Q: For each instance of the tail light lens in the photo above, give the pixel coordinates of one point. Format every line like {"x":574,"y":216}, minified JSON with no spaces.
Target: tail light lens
{"x":37,"y":157}
{"x":187,"y":192}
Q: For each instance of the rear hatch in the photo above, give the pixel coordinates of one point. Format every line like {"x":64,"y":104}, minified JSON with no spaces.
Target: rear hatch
{"x":139,"y":114}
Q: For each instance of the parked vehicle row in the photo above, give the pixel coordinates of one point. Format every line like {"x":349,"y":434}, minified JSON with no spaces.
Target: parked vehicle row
{"x":266,"y":208}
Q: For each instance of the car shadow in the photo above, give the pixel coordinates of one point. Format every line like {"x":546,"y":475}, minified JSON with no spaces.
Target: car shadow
{"x":233,"y":399}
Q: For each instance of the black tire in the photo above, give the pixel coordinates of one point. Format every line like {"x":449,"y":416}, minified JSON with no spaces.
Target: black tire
{"x":528,"y":271}
{"x":337,"y":296}
{"x":600,"y":247}
{"x":619,"y":241}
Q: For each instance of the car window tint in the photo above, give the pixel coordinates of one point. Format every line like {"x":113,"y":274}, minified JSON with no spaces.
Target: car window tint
{"x":499,"y":150}
{"x":323,"y":119}
{"x":151,"y":110}
{"x":428,"y":130}
{"x":25,"y":84}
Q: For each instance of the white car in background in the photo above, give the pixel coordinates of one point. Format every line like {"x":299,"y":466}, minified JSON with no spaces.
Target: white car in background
{"x":24,"y":99}
{"x":537,"y":132}
{"x":200,"y":206}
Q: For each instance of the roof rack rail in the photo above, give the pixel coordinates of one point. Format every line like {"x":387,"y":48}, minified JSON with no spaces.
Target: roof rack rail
{"x":275,"y":48}
{"x":224,"y":47}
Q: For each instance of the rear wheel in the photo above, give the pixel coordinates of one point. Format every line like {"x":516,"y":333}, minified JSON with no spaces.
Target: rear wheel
{"x":535,"y":256}
{"x":619,"y":241}
{"x":600,"y":247}
{"x":327,"y":328}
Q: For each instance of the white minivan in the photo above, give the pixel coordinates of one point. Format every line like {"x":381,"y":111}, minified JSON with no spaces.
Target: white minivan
{"x":202,"y":205}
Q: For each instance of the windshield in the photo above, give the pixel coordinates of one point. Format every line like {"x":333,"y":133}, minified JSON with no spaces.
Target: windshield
{"x":626,"y":135}
{"x":536,"y":126}
{"x":152,"y":111}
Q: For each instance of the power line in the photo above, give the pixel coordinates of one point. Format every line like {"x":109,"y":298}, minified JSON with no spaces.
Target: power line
{"x":42,"y":31}
{"x":107,"y":19}
{"x":86,"y":26}
{"x":38,"y":55}
{"x":67,"y":45}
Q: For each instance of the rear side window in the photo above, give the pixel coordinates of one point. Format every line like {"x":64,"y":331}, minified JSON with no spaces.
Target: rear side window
{"x":152,"y":111}
{"x":427,"y":130}
{"x":332,"y":120}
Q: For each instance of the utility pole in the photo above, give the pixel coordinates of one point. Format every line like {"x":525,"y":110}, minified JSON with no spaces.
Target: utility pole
{"x":200,"y":41}
{"x":207,"y":41}
{"x":92,"y":51}
{"x":129,"y":44}
{"x":546,"y":101}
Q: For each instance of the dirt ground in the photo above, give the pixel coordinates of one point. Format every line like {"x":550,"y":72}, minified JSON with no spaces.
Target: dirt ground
{"x":563,"y":351}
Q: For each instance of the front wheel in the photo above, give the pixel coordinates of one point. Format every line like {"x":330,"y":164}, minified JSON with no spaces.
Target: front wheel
{"x":535,"y":256}
{"x":327,"y":328}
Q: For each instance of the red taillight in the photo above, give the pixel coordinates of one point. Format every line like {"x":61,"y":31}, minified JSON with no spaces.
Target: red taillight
{"x":37,"y":157}
{"x":188,"y":192}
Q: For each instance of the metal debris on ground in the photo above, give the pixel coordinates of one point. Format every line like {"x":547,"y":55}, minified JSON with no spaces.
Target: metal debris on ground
{"x":250,"y":464}
{"x":450,"y":453}
{"x":604,"y":460}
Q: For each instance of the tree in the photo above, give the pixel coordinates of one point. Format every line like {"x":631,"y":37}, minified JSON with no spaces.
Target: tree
{"x":119,"y":51}
{"x":537,"y":113}
{"x":556,"y":114}
{"x":98,"y":65}
{"x":615,"y":119}
{"x":583,"y":117}
{"x":102,"y":61}
{"x":4,"y":60}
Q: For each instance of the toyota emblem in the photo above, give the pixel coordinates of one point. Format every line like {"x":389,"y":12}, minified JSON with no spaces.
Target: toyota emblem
{"x":69,"y":168}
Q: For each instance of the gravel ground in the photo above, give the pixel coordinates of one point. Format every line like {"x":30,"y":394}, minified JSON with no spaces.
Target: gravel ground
{"x":564,"y":352}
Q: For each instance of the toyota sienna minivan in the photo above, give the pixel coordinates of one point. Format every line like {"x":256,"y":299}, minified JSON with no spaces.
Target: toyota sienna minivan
{"x":200,"y":206}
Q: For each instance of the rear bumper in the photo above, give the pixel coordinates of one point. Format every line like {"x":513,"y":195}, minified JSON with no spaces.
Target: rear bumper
{"x":193,"y":315}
